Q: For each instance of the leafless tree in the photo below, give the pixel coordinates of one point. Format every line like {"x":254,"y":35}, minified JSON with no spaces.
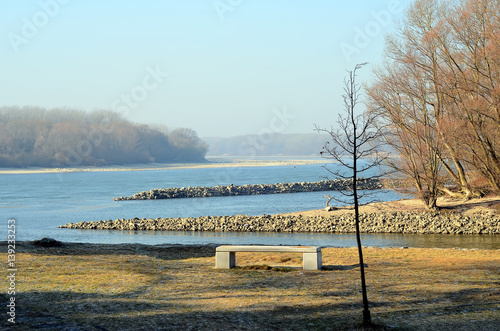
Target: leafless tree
{"x":355,"y":144}
{"x":438,"y":92}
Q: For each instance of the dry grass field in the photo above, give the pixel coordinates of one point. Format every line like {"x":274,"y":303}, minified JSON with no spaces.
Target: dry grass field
{"x":141,"y":287}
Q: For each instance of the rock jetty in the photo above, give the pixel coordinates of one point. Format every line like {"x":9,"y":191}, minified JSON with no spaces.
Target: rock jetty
{"x":385,"y":222}
{"x":254,"y":189}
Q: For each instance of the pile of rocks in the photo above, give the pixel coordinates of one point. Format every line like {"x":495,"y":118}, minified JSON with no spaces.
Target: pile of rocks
{"x":253,"y":189}
{"x":385,"y":222}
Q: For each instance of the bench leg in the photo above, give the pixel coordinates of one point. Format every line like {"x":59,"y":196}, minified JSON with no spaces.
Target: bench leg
{"x":312,"y":261}
{"x":225,"y":260}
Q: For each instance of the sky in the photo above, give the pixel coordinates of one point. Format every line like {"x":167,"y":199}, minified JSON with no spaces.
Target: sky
{"x":221,"y":67}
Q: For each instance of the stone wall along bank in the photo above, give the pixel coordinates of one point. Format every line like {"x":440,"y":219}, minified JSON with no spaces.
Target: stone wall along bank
{"x":253,"y":189}
{"x":386,"y":222}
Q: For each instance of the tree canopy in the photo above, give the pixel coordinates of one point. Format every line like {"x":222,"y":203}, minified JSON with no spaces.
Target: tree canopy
{"x":33,"y":136}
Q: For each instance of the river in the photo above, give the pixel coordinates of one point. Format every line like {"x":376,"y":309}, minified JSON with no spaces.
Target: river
{"x":41,"y":202}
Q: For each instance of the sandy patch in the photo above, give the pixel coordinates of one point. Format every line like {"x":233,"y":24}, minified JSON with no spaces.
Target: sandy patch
{"x":415,"y":205}
{"x":167,"y":166}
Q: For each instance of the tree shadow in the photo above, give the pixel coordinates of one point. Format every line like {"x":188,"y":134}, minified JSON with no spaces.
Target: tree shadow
{"x":342,"y":267}
{"x":64,"y":310}
{"x":164,"y":251}
{"x":459,"y":208}
{"x":84,"y":311}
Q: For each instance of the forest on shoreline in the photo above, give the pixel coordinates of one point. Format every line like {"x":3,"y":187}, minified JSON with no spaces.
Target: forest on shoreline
{"x":37,"y":137}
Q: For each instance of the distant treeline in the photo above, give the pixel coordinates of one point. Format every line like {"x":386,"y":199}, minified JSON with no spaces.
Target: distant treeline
{"x":268,"y":145}
{"x":32,"y":136}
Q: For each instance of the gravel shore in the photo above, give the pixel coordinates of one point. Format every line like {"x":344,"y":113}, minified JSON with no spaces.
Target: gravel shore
{"x":257,"y":189}
{"x":485,"y":222}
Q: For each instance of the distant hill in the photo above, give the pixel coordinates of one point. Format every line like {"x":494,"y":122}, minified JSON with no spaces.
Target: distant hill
{"x":267,"y":145}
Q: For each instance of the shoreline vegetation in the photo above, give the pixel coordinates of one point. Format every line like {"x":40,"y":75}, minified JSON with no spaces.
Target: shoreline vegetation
{"x":475,"y":216}
{"x":82,"y":286}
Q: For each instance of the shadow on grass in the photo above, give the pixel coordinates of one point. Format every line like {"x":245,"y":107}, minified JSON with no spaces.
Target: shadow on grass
{"x":265,"y":267}
{"x":164,"y":252}
{"x":84,"y":311}
{"x":342,"y":267}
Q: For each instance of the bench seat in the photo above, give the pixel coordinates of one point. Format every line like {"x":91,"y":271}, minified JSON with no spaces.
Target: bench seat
{"x":225,"y":256}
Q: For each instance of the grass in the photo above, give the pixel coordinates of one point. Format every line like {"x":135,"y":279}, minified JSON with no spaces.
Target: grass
{"x":134,"y":287}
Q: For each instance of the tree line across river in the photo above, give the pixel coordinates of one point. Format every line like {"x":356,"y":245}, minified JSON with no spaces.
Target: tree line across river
{"x":33,"y":136}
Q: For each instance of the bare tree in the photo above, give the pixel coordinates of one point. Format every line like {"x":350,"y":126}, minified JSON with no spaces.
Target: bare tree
{"x":439,"y":94}
{"x":354,"y":145}
{"x":399,"y":100}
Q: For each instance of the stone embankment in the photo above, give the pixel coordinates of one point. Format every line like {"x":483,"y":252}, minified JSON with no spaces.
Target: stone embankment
{"x":255,"y":189}
{"x":385,"y":222}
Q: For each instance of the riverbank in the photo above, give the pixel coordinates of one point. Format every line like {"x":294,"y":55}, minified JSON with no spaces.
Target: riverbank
{"x":211,"y":163}
{"x":476,"y":216}
{"x":175,"y":287}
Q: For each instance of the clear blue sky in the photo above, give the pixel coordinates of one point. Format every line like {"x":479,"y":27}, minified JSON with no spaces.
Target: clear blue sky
{"x":223,"y":67}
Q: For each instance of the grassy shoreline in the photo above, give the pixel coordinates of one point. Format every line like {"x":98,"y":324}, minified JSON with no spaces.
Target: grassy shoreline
{"x":175,"y":287}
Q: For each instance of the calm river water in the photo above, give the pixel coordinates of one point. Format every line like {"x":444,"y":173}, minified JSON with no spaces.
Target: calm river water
{"x":42,"y":202}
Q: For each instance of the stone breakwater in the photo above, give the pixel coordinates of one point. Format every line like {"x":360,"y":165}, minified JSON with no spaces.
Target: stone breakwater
{"x":254,"y":189}
{"x":385,"y":222}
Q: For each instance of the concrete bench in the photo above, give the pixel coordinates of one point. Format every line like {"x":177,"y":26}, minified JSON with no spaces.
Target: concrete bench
{"x":225,"y":255}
